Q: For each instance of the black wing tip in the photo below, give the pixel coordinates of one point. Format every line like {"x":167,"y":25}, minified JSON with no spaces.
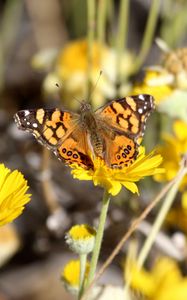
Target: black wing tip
{"x":22,"y":119}
{"x":17,"y":119}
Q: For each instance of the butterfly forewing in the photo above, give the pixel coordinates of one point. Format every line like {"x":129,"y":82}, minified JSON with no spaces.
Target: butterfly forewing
{"x":49,"y":126}
{"x":128,"y":114}
{"x":59,"y":131}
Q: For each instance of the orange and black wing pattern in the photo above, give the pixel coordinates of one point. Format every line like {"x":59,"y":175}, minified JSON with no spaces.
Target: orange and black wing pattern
{"x":120,"y":152}
{"x":129,"y":114}
{"x":59,"y":131}
{"x":49,"y":126}
{"x":125,"y":121}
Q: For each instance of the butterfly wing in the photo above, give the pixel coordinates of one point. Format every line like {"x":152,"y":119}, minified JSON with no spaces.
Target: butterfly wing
{"x":59,"y":131}
{"x":128,"y":115}
{"x":121,"y":150}
{"x":49,"y":126}
{"x":75,"y":149}
{"x":122,"y":124}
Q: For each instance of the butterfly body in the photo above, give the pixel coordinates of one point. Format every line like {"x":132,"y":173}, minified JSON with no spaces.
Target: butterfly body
{"x":111,"y":132}
{"x":90,"y":123}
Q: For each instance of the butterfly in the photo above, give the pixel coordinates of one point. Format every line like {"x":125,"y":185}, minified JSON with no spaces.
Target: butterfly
{"x":112,"y":132}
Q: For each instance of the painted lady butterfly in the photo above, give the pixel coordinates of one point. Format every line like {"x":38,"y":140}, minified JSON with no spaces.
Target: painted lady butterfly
{"x":111,"y":132}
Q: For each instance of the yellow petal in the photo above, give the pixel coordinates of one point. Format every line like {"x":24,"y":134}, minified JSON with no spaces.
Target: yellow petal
{"x":13,"y":197}
{"x":131,"y":186}
{"x":176,"y":291}
{"x":115,"y":188}
{"x":142,"y":281}
{"x":3,"y":174}
{"x":180,"y":130}
{"x":184,"y":201}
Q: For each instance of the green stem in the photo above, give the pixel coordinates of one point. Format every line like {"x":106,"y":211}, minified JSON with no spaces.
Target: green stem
{"x":121,"y":35}
{"x":101,"y":21}
{"x":160,"y":218}
{"x":99,"y":236}
{"x":90,"y":41}
{"x":148,"y":34}
{"x":10,"y":22}
{"x":111,"y":20}
{"x":83,"y":259}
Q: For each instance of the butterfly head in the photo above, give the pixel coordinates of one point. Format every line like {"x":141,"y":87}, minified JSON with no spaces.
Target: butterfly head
{"x":85,"y":106}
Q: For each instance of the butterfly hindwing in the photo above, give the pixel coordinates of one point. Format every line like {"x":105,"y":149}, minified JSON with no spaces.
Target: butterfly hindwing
{"x":75,"y":149}
{"x":121,"y":151}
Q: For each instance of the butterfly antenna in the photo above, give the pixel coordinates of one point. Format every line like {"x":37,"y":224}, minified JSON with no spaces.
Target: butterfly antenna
{"x":80,"y":102}
{"x":60,"y":96}
{"x":93,"y":88}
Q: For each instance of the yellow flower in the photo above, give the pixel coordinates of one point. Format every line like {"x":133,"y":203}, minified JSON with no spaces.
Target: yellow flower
{"x":71,"y":68}
{"x":163,"y":282}
{"x":13,"y":195}
{"x":81,"y":238}
{"x":172,"y":150}
{"x":155,"y":83}
{"x":82,"y":231}
{"x":73,"y":57}
{"x":114,"y":179}
{"x":167,"y":82}
{"x":70,"y":275}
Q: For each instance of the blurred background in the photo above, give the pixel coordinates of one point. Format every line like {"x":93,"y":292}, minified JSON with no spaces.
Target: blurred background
{"x":44,"y":62}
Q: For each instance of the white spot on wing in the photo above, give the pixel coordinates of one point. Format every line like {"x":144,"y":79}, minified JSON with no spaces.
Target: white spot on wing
{"x":141,"y":97}
{"x":140,"y":110}
{"x":35,"y":125}
{"x":40,"y":142}
{"x":26,"y":112}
